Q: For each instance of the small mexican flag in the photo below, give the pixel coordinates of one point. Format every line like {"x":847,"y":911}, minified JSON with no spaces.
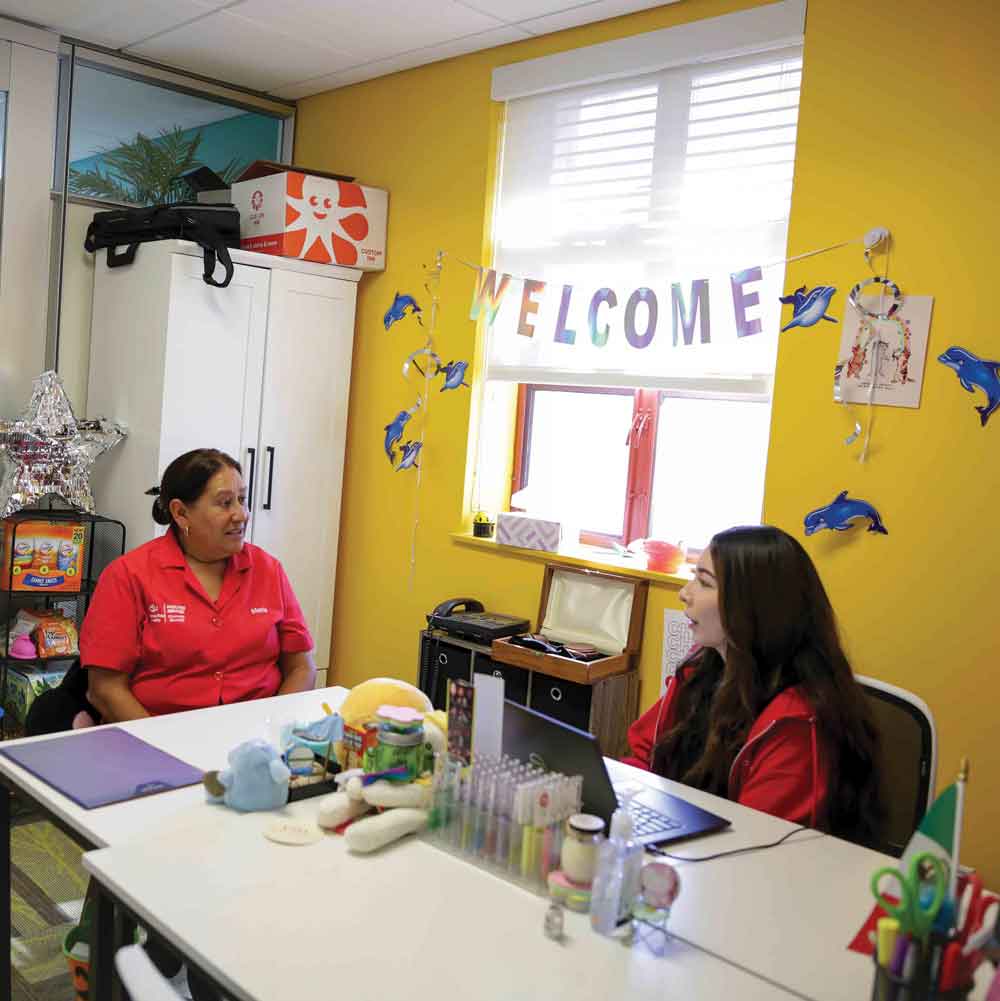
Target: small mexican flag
{"x":939,"y":833}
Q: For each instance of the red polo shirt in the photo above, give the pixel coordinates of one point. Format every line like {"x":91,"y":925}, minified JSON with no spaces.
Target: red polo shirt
{"x":151,"y":618}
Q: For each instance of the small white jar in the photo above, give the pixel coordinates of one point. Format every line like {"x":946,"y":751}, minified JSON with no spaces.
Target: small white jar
{"x":584,"y":834}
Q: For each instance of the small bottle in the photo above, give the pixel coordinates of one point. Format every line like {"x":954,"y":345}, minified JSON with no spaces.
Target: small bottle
{"x":616,"y":882}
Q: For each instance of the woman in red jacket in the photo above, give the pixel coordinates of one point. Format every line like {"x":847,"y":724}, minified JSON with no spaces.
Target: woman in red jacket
{"x":765,"y":709}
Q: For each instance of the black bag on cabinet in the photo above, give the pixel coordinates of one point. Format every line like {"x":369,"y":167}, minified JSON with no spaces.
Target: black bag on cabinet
{"x":215,"y":228}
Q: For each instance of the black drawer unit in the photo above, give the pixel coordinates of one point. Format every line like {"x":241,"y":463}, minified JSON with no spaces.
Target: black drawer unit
{"x":565,"y":701}
{"x":444,"y":658}
{"x":605,"y":708}
{"x":516,"y":681}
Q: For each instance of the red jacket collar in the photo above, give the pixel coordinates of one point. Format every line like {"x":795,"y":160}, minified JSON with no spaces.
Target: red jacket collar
{"x":170,"y":554}
{"x":789,"y":704}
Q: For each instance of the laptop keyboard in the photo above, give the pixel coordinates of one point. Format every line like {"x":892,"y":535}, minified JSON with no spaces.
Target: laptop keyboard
{"x":646,"y":820}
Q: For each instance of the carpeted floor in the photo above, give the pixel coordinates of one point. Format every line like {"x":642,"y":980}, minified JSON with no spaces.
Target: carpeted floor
{"x":48,"y":884}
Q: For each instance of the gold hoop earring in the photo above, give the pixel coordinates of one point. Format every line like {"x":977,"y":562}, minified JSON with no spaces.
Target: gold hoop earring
{"x":187,"y":530}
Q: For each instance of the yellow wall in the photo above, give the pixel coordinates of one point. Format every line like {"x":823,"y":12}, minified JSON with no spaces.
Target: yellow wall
{"x":895,"y":130}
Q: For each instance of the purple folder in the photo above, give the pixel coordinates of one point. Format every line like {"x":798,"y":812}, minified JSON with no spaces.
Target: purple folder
{"x":104,"y":765}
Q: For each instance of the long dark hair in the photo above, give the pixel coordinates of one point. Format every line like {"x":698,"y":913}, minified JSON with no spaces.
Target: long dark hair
{"x":185,"y":479}
{"x":780,"y":632}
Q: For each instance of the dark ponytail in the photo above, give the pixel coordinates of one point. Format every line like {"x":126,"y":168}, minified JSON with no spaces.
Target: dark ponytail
{"x":185,"y":480}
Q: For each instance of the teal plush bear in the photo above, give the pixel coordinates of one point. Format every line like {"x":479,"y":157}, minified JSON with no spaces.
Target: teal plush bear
{"x":256,"y":779}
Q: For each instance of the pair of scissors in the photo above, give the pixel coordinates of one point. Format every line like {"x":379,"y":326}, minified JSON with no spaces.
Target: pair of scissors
{"x":915,"y":915}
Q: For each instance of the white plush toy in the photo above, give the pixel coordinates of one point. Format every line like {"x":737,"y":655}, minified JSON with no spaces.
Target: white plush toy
{"x":408,"y":803}
{"x":372,"y":833}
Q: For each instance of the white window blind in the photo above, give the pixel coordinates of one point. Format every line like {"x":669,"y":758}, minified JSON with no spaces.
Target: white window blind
{"x":653,"y":182}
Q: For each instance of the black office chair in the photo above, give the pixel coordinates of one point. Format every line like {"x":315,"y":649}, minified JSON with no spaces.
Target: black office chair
{"x":909,"y":760}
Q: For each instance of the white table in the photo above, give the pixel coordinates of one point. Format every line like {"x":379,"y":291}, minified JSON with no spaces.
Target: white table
{"x":749,"y":827}
{"x":269,"y":922}
{"x":274,"y":923}
{"x":788,"y":917}
{"x":202,"y":737}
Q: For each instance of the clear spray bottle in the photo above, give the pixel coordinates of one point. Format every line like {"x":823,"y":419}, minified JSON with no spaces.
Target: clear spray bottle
{"x":616,"y":882}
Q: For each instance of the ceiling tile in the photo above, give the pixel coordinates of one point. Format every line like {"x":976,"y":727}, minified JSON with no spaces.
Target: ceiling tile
{"x":383,"y":67}
{"x":114,"y":23}
{"x":231,"y":48}
{"x":512,"y":11}
{"x":599,"y":10}
{"x":399,"y":26}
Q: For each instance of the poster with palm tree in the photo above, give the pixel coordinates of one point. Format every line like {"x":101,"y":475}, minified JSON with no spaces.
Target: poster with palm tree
{"x":147,"y":171}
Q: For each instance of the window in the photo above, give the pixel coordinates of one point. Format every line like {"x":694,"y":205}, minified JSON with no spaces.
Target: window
{"x":126,"y":132}
{"x":572,"y":455}
{"x":655,"y":181}
{"x":130,"y":139}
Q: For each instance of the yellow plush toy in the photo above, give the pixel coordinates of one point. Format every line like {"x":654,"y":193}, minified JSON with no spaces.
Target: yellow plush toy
{"x":363,"y":701}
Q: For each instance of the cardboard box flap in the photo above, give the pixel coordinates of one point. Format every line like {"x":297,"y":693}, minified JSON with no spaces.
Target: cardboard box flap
{"x":589,"y":608}
{"x":264,"y":168}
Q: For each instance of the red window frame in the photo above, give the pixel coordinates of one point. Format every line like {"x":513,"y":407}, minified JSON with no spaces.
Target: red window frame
{"x":642,"y":454}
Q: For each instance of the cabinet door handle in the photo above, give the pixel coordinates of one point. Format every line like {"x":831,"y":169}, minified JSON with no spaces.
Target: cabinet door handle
{"x":252,"y":452}
{"x":270,"y":477}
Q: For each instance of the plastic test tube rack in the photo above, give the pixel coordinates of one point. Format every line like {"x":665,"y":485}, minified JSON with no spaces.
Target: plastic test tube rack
{"x":503,"y":815}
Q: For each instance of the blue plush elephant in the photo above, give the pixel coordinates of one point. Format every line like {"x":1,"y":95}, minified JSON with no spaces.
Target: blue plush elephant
{"x":256,"y":779}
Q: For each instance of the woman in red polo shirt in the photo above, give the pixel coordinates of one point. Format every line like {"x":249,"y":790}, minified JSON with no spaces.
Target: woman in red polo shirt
{"x":197,"y":617}
{"x":765,"y":709}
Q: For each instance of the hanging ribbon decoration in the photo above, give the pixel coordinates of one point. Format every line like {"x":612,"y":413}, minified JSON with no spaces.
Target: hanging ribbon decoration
{"x":403,"y":447}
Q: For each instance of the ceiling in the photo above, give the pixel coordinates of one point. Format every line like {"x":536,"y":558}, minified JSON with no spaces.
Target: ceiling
{"x":294,"y":48}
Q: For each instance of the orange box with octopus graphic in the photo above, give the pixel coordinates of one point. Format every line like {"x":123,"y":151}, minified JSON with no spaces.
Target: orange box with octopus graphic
{"x":312,"y":217}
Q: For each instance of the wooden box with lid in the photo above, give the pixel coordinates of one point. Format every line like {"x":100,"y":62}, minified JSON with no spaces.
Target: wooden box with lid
{"x":589,"y":607}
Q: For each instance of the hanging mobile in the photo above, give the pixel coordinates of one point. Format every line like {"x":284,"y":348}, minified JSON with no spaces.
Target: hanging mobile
{"x":870,"y":350}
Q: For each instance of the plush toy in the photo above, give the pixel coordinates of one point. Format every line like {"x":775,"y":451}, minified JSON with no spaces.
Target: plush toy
{"x":372,"y":833}
{"x":361,"y":706}
{"x":256,"y":779}
{"x":404,"y":810}
{"x":363,"y":700}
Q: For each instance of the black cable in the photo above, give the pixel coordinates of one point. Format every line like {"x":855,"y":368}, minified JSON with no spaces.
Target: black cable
{"x":733,"y":851}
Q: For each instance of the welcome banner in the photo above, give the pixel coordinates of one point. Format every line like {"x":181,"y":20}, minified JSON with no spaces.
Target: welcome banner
{"x":623,"y":331}
{"x":624,"y":334}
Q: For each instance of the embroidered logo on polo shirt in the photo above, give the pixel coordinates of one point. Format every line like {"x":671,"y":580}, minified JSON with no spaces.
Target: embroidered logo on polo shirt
{"x":167,"y":613}
{"x":258,"y":611}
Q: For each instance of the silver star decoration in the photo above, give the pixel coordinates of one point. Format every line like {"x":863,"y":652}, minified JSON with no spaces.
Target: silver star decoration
{"x":48,"y":451}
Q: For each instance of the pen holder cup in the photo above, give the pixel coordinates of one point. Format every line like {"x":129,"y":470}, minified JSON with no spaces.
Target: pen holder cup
{"x":888,"y":987}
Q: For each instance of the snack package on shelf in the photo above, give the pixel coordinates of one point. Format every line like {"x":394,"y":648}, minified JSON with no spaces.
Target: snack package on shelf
{"x":45,"y":556}
{"x":42,"y":632}
{"x":56,"y":637}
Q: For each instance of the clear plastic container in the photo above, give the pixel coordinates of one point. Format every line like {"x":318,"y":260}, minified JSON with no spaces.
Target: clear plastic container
{"x":581,"y":846}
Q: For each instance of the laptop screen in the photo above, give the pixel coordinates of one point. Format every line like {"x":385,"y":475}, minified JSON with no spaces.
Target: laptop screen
{"x":546,"y":743}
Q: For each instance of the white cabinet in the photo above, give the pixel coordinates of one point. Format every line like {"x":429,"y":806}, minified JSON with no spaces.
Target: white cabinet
{"x":260,"y":369}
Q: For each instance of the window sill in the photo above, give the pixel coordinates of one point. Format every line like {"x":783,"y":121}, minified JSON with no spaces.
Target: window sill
{"x":589,"y":557}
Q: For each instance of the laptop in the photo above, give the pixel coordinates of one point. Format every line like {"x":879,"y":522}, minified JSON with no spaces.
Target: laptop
{"x":658,"y":817}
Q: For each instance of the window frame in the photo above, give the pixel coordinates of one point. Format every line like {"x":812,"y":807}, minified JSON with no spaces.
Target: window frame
{"x":641,"y":442}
